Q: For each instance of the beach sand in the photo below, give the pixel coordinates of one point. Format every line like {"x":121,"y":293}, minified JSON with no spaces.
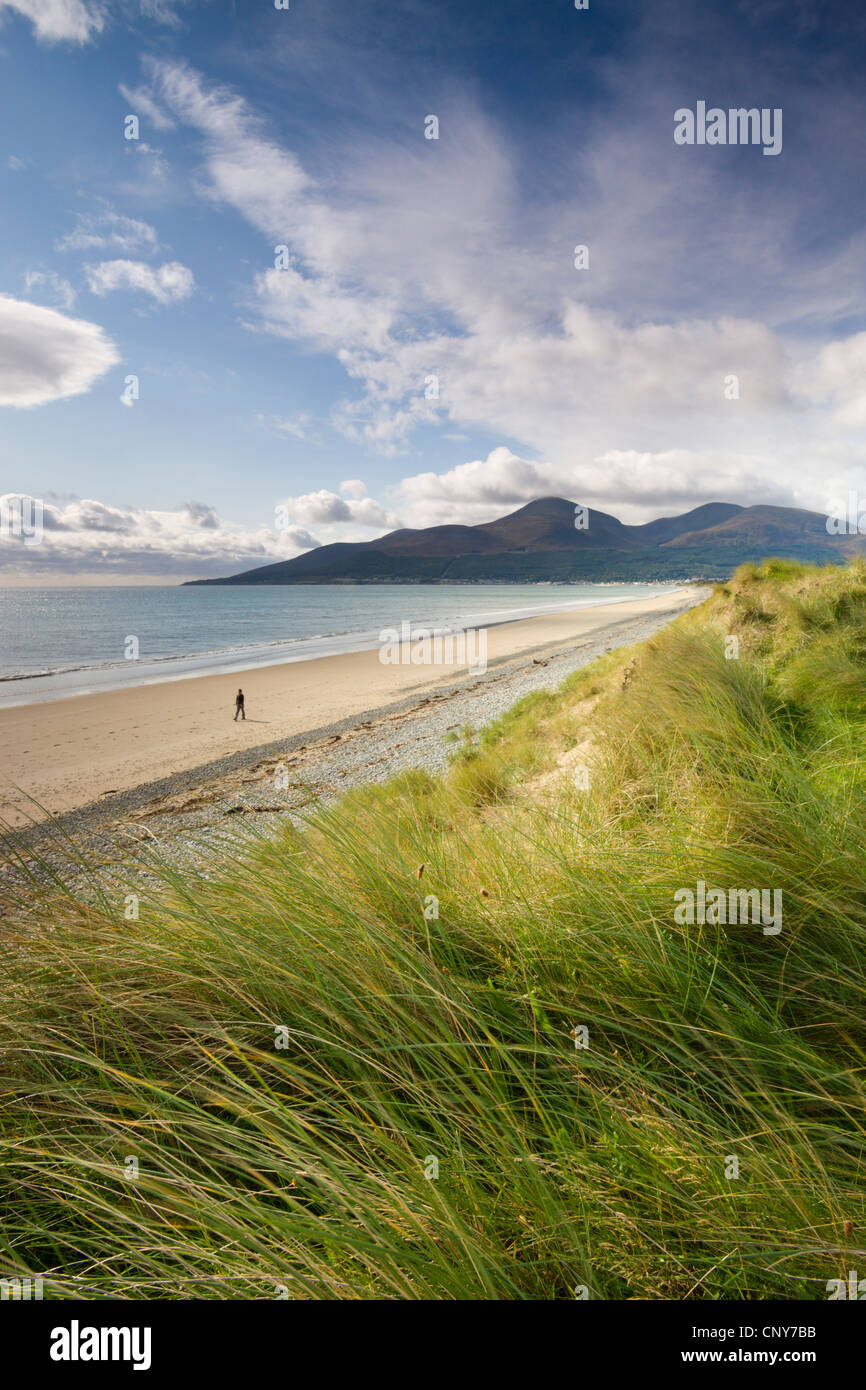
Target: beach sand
{"x":66,"y":754}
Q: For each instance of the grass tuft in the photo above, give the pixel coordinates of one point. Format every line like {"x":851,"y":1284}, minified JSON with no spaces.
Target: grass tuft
{"x":343,"y":1075}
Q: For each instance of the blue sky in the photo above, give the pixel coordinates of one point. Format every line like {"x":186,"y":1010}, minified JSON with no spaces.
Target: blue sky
{"x":306,"y":388}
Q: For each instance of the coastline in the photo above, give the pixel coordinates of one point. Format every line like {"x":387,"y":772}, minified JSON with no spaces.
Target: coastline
{"x":114,"y":753}
{"x":66,"y":682}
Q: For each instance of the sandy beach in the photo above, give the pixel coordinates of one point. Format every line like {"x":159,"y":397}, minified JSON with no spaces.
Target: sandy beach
{"x":71,"y":753}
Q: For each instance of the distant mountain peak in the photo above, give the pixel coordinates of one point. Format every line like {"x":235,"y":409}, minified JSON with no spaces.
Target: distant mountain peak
{"x":540,"y":542}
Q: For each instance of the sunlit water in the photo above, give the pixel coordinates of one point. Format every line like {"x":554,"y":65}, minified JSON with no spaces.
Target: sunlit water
{"x":56,"y":642}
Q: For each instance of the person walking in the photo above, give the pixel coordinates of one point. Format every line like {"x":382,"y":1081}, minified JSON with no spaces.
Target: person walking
{"x":239,"y":705}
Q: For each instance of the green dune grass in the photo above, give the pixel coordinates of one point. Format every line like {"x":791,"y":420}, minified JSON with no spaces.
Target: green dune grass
{"x":330,"y":1094}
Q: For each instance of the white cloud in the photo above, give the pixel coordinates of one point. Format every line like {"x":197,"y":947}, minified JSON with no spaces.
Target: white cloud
{"x":407,"y":262}
{"x":52,"y":286}
{"x":838,"y":377}
{"x":479,"y":490}
{"x":673,"y":481}
{"x":143,"y":104}
{"x":320,"y":312}
{"x":521,"y":347}
{"x":324,"y":508}
{"x":150,"y":177}
{"x":53,"y":20}
{"x":247,"y":170}
{"x":162,"y":11}
{"x":353,"y":487}
{"x":297,"y":427}
{"x":46,"y":356}
{"x":167,"y":284}
{"x":79,"y":21}
{"x":110,"y":230}
{"x":87,"y":536}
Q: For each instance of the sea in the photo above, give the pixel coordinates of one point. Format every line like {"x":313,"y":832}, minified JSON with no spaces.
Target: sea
{"x":56,"y":642}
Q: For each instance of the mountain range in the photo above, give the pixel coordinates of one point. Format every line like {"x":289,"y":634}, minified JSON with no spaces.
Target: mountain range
{"x":541,"y":541}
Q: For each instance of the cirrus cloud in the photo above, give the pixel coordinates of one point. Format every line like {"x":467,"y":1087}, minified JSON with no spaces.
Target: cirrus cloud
{"x":110,"y":229}
{"x":630,"y":386}
{"x":75,"y":21}
{"x":80,"y":21}
{"x":51,"y":285}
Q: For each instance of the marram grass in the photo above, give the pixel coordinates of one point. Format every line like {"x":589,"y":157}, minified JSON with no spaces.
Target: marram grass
{"x":284,"y":1079}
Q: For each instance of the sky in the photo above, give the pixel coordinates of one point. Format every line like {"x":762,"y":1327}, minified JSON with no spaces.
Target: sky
{"x":283,"y":315}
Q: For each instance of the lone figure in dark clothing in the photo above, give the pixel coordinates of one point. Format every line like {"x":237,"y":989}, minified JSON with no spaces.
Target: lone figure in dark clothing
{"x":239,"y":705}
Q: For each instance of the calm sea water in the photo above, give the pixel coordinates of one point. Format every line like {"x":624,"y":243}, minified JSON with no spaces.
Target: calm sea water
{"x":56,"y":642}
